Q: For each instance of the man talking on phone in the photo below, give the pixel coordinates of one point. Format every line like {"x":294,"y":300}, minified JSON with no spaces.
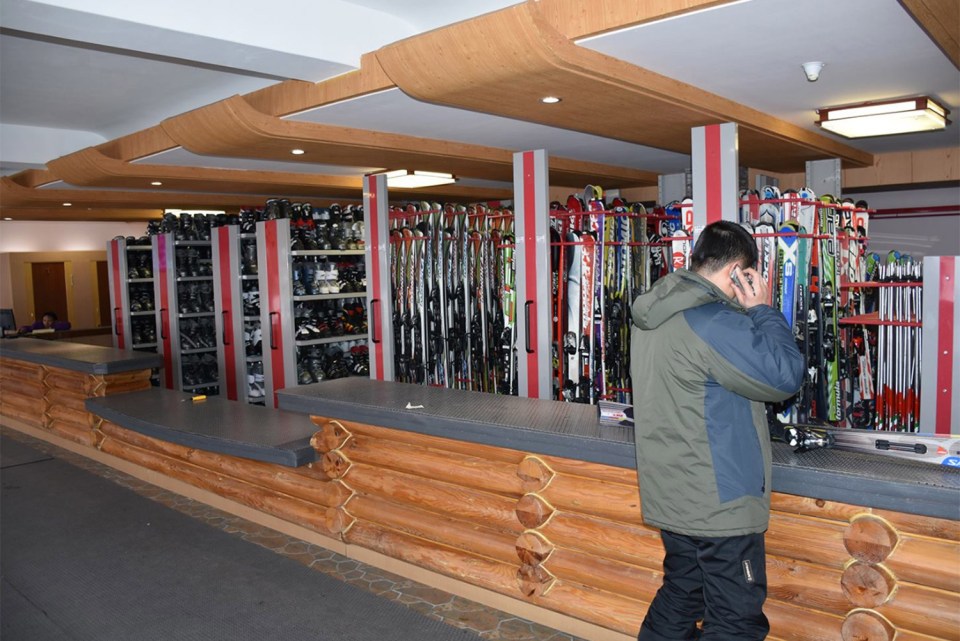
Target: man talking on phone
{"x":707,"y":351}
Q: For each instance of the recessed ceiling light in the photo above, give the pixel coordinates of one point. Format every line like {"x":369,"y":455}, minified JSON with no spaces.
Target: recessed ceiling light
{"x":550,"y":100}
{"x":156,"y":183}
{"x":297,"y":152}
{"x":67,"y":204}
{"x":412,"y":179}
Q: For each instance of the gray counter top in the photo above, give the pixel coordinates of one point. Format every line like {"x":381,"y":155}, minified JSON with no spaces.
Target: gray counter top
{"x":572,"y":431}
{"x":77,"y":357}
{"x":214,"y":424}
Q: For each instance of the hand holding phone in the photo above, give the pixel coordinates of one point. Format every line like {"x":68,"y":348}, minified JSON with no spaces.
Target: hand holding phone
{"x":748,"y":287}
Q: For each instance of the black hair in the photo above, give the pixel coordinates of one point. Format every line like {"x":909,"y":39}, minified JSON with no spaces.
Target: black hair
{"x":721,"y":242}
{"x":52,"y":315}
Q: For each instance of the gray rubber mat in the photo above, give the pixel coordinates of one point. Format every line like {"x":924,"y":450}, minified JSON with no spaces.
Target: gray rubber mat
{"x":15,"y":453}
{"x":86,"y":559}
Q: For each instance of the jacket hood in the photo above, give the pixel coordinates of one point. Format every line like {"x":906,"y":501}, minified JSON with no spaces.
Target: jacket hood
{"x":676,"y":292}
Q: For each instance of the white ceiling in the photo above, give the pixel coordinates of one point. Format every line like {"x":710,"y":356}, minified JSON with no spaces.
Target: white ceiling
{"x":752,"y":52}
{"x":75,"y":72}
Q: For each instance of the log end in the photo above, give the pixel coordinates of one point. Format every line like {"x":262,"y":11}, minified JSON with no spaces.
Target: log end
{"x":532,"y":511}
{"x":867,"y":586}
{"x":534,"y":474}
{"x":533,"y":548}
{"x":870,"y":539}
{"x":534,"y":580}
{"x":332,"y":436}
{"x":338,"y":520}
{"x":335,"y":464}
{"x":866,"y":625}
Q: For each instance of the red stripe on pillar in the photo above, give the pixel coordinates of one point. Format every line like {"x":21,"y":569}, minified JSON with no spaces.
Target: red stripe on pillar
{"x":530,"y":262}
{"x":714,"y":168}
{"x":120,"y":330}
{"x":164,"y":306}
{"x":373,"y":220}
{"x":226,"y":277}
{"x":945,"y":344}
{"x":275,"y":305}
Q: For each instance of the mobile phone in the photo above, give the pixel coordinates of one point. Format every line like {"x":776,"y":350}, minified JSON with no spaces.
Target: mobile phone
{"x":735,"y":276}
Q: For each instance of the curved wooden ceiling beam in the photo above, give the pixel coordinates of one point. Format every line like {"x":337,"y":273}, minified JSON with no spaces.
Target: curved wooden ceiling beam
{"x":33,"y":177}
{"x":17,"y":196}
{"x":940,"y":20}
{"x":504,"y":62}
{"x":294,"y":96}
{"x":90,"y":168}
{"x":82,"y":215}
{"x":232,"y":127}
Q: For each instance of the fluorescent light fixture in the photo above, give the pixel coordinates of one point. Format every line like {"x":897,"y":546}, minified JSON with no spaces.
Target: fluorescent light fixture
{"x":68,"y":204}
{"x":884,"y":118}
{"x":550,"y":100}
{"x":404,"y":179}
{"x":156,"y":183}
{"x":297,"y":152}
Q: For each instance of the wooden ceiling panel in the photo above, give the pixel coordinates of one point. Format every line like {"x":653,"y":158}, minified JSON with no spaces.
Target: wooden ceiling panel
{"x":70,"y":214}
{"x":940,"y":19}
{"x":504,"y":62}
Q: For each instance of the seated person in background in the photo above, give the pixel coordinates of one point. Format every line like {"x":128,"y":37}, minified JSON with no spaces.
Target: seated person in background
{"x":48,"y":321}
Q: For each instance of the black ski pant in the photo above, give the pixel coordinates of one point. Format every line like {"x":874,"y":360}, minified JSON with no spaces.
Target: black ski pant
{"x":721,"y":581}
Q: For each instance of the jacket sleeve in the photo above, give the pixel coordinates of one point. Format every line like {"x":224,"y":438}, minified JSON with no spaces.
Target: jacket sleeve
{"x":753,"y":354}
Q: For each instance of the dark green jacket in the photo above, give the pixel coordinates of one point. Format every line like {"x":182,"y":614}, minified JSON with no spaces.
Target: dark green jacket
{"x":702,"y":368}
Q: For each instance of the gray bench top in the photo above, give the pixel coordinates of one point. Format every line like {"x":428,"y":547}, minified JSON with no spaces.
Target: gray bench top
{"x":572,"y":431}
{"x":215,"y":424}
{"x":77,"y":357}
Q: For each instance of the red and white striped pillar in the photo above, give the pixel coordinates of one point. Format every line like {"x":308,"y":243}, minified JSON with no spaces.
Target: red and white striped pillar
{"x":377,"y":256}
{"x":532,"y":258}
{"x":939,"y":405}
{"x":715,"y":174}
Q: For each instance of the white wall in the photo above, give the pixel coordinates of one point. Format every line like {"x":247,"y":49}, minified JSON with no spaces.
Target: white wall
{"x":917,"y":236}
{"x":43,"y":236}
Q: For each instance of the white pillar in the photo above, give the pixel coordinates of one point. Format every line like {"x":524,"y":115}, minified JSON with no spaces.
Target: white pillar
{"x":377,"y":255}
{"x":532,"y":258}
{"x":715,"y":175}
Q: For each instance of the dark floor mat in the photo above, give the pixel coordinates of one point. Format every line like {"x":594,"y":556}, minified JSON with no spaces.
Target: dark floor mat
{"x":16,"y":453}
{"x":83,"y":558}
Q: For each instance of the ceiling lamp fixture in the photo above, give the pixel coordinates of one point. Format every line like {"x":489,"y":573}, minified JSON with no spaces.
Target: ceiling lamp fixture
{"x":404,"y":179}
{"x":550,"y":100}
{"x":68,"y":204}
{"x":297,"y":152}
{"x":885,"y":118}
{"x":156,"y":183}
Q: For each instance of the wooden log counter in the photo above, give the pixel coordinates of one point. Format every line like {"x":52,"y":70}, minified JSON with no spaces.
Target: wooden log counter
{"x":536,"y":501}
{"x":45,"y":383}
{"x":532,"y":507}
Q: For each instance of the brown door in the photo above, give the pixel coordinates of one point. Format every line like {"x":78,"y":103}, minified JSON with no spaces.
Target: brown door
{"x":103,"y":287}
{"x":49,"y":290}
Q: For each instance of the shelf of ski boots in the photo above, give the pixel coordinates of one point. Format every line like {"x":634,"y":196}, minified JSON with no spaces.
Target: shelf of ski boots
{"x":312,"y":271}
{"x":131,"y":282}
{"x":184,"y":292}
{"x":602,"y":258}
{"x":454,"y":297}
{"x":237,"y":300}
